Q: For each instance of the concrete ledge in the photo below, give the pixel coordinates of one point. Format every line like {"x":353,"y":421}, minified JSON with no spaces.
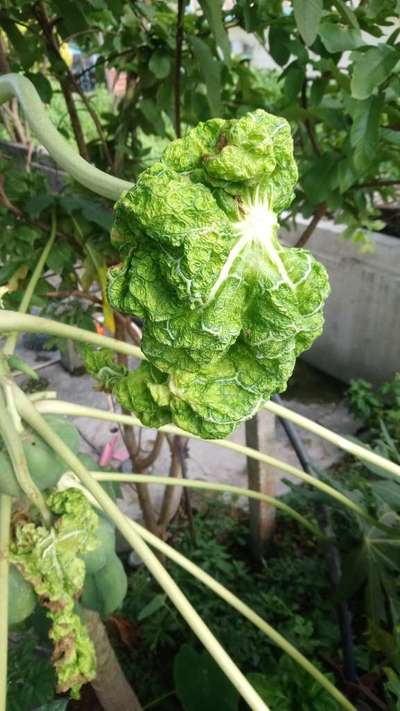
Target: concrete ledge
{"x":361,"y":338}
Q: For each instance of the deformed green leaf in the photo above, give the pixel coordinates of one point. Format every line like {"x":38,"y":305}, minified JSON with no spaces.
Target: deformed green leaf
{"x":226,"y":307}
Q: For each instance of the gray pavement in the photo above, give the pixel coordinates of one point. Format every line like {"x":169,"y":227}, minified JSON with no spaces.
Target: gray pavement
{"x":311,"y":393}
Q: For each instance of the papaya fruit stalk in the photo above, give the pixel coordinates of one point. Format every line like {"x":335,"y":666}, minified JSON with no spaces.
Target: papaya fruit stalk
{"x":30,"y":415}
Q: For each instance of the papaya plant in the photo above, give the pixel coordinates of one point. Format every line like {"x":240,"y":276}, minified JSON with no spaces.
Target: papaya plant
{"x":178,"y":63}
{"x":59,"y":538}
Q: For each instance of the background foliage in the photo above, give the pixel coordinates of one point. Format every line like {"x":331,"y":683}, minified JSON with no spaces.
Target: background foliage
{"x":336,"y":80}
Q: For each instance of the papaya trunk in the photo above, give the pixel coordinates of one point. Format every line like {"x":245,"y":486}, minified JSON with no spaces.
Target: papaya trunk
{"x":110,"y":685}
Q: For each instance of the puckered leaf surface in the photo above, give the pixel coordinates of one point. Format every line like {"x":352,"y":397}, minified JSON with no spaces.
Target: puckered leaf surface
{"x":226,"y":308}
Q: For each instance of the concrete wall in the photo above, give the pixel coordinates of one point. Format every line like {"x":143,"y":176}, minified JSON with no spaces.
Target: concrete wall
{"x":361,"y":338}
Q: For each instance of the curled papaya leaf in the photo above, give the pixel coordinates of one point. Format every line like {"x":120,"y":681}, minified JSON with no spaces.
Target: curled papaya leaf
{"x":49,"y":559}
{"x":226,"y":307}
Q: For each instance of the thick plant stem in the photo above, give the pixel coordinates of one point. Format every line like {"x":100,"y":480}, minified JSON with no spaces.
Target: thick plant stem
{"x":11,"y":341}
{"x":67,"y":408}
{"x":58,"y":148}
{"x":172,"y":494}
{"x":29,"y":413}
{"x":111,"y":686}
{"x":210,"y":486}
{"x":5,"y":520}
{"x":16,"y":453}
{"x":244,"y":610}
{"x":142,"y":490}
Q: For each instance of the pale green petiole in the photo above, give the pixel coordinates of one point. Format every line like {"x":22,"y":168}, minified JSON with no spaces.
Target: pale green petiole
{"x":29,"y":413}
{"x":60,"y":150}
{"x":67,"y":408}
{"x":210,"y":486}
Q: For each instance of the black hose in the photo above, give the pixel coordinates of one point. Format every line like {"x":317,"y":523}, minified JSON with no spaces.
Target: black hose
{"x":331,"y":552}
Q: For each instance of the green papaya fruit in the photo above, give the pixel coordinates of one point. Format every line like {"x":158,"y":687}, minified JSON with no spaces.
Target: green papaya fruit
{"x":112,"y":488}
{"x":44,"y":465}
{"x":105,"y":537}
{"x":66,"y":430}
{"x":105,"y":590}
{"x":21,"y":597}
{"x":88,"y":462}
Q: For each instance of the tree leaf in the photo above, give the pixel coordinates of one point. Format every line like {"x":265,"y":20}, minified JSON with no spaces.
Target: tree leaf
{"x":278,"y":40}
{"x":389,"y":492}
{"x":36,"y":204}
{"x":308,"y":14}
{"x":153,"y":606}
{"x":387,"y":643}
{"x":61,"y":257}
{"x":347,"y":174}
{"x":294,"y":78}
{"x":391,"y":136}
{"x":152,"y":114}
{"x":160,"y":64}
{"x":210,"y":71}
{"x":347,"y":13}
{"x":213,"y":12}
{"x":354,"y":572}
{"x":72,"y":17}
{"x":364,"y":133}
{"x":371,"y":69}
{"x":321,"y":178}
{"x":375,"y":598}
{"x":269,"y":689}
{"x":200,"y":684}
{"x":337,"y":38}
{"x":26,"y":51}
{"x":42,"y":86}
